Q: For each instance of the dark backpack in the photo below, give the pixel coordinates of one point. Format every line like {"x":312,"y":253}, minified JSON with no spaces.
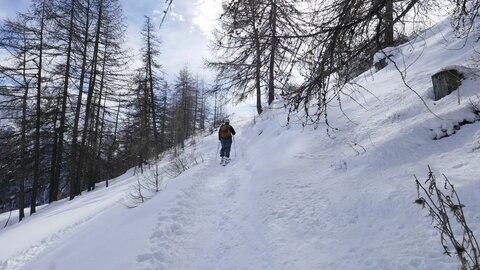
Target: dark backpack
{"x":225,"y":131}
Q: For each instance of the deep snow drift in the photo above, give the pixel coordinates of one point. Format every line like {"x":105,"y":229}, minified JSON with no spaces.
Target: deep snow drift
{"x":293,"y":197}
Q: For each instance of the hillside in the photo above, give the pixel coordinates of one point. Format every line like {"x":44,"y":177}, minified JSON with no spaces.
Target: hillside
{"x":293,"y":197}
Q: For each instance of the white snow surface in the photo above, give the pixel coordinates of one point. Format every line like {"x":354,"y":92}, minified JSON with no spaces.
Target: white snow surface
{"x":293,"y":197}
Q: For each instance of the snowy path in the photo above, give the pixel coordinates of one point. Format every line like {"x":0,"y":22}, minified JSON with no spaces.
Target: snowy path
{"x":215,"y":224}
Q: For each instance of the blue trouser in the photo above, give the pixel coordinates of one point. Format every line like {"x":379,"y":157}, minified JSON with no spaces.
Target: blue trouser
{"x":226,"y":144}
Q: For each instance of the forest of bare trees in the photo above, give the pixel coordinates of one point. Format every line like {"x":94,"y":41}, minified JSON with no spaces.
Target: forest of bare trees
{"x":72,"y":113}
{"x":307,"y":52}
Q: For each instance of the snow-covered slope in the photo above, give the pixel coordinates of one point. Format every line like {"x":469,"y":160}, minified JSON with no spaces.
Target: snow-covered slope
{"x":293,"y":197}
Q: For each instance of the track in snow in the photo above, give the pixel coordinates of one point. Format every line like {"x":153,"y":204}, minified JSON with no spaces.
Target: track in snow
{"x":212,"y":225}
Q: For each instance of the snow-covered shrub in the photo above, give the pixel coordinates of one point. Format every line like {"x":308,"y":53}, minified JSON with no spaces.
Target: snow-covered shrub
{"x":450,"y":128}
{"x":446,"y":210}
{"x":137,"y":192}
{"x":153,"y":179}
{"x":475,"y":104}
{"x":146,"y":185}
{"x":180,"y":163}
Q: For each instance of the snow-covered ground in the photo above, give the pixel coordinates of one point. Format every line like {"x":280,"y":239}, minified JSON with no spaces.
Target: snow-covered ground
{"x":293,"y":197}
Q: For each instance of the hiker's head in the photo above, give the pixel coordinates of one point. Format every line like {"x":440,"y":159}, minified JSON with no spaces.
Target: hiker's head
{"x":227,"y":121}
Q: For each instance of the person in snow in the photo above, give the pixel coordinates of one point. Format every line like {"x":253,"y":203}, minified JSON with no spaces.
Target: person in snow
{"x":225,"y":134}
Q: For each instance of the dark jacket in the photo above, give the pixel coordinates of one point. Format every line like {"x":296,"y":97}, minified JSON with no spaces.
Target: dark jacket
{"x":232,"y":132}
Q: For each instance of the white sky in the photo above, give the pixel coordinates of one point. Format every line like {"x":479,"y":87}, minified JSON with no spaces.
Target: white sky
{"x":184,"y":34}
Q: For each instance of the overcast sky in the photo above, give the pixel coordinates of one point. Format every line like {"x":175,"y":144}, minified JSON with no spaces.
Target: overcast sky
{"x":184,"y":33}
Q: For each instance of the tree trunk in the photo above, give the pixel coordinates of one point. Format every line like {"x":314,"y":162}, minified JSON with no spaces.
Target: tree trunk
{"x":389,"y":30}
{"x":59,"y":161}
{"x":150,"y":81}
{"x":257,"y":73}
{"x":114,"y":141}
{"x":23,"y":142}
{"x":96,"y":145}
{"x":215,"y":116}
{"x":258,"y":59}
{"x":203,"y":108}
{"x":164,"y":118}
{"x":100,"y":172}
{"x":53,"y":189}
{"x":195,"y":108}
{"x":91,"y":88}
{"x":36,"y":171}
{"x":75,"y":185}
{"x":273,"y":50}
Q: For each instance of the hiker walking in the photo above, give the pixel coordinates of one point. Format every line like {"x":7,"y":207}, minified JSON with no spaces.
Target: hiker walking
{"x":225,"y":134}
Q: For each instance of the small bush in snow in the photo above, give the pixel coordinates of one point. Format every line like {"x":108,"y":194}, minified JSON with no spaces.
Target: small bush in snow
{"x":136,"y":194}
{"x":451,"y":129}
{"x":154,"y":178}
{"x":181,"y":163}
{"x":475,"y":105}
{"x":147,"y":183}
{"x":150,"y":181}
{"x":446,"y":210}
